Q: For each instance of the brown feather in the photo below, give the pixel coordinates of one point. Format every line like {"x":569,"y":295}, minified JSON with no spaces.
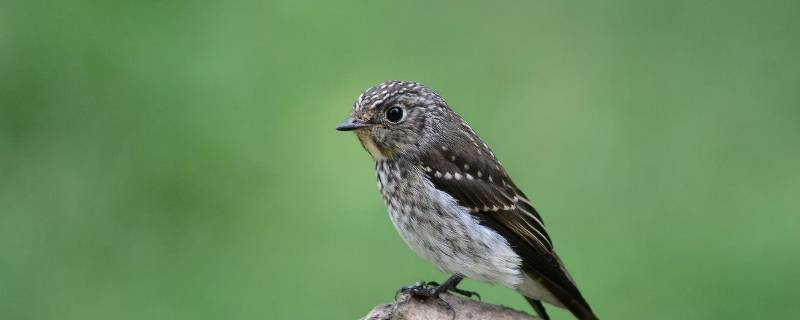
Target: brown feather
{"x":498,"y":204}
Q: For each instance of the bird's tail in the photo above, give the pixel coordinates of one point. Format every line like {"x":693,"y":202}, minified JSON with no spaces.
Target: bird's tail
{"x":571,"y":300}
{"x":580,"y":313}
{"x":575,"y":304}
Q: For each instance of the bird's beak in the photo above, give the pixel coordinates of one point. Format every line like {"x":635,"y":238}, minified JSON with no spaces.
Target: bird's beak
{"x":352,"y":124}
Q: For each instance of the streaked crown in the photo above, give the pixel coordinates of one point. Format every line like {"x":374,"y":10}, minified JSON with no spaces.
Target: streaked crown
{"x":388,"y":91}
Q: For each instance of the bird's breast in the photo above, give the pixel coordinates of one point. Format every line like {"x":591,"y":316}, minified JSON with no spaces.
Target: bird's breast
{"x":436,"y":227}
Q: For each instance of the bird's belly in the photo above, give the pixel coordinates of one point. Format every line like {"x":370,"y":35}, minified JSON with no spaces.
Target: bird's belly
{"x":446,"y":234}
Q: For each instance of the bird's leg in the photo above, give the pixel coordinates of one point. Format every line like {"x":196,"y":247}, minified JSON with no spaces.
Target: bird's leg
{"x":451,"y":284}
{"x":429,"y":290}
{"x":434,"y":289}
{"x":419,"y":288}
{"x":537,"y":305}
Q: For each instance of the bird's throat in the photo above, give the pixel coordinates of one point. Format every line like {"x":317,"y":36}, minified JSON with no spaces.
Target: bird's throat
{"x":372,"y":148}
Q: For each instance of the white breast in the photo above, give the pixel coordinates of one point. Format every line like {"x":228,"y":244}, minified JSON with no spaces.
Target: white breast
{"x":446,"y":234}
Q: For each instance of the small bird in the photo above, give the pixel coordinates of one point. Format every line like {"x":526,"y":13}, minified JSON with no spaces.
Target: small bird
{"x":453,"y":203}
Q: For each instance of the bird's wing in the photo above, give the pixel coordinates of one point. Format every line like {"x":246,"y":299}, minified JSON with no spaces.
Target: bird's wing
{"x":469,"y":172}
{"x":480,"y":184}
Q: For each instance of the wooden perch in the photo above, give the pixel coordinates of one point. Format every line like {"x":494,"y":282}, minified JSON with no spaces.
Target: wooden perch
{"x":407,"y":307}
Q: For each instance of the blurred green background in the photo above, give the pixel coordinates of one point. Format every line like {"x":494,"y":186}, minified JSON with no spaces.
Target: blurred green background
{"x":177,"y":160}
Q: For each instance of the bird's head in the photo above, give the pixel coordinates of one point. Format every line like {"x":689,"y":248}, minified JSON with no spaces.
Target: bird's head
{"x":397,"y":118}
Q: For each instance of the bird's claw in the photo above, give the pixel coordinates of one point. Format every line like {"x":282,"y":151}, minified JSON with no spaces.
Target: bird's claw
{"x":426,"y":290}
{"x":466,"y":293}
{"x":433,"y":289}
{"x":419,"y":289}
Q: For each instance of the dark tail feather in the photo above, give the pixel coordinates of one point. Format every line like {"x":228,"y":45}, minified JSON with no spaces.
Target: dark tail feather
{"x":573,"y":301}
{"x":537,"y":305}
{"x":584,"y":314}
{"x":579,"y":308}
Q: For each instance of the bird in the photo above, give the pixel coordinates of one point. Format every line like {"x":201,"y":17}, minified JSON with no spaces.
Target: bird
{"x":453,"y":203}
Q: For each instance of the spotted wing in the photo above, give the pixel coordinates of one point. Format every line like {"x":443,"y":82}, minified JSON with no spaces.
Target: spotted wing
{"x":477,"y":181}
{"x":469,"y":172}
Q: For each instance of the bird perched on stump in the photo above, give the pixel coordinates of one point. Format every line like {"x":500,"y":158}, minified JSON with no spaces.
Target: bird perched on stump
{"x":453,"y":203}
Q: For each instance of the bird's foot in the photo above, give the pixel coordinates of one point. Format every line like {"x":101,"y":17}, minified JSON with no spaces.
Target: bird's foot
{"x":420,"y":289}
{"x":453,"y":288}
{"x":427,"y":290}
{"x":434,"y":289}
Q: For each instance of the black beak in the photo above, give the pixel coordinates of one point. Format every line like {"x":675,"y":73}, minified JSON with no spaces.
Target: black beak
{"x":352,"y":124}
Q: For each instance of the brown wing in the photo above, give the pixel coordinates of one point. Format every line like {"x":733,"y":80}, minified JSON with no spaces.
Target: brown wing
{"x":485,"y":188}
{"x":468,"y":171}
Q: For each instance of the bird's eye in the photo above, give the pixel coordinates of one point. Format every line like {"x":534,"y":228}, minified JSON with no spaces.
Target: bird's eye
{"x":394,"y":114}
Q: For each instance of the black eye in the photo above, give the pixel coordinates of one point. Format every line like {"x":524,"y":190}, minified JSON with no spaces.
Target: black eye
{"x":394,"y":114}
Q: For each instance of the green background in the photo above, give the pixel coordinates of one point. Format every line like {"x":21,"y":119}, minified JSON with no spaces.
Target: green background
{"x":177,"y":160}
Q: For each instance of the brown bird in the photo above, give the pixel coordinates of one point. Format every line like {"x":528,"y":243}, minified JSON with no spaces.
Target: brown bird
{"x":453,"y":203}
